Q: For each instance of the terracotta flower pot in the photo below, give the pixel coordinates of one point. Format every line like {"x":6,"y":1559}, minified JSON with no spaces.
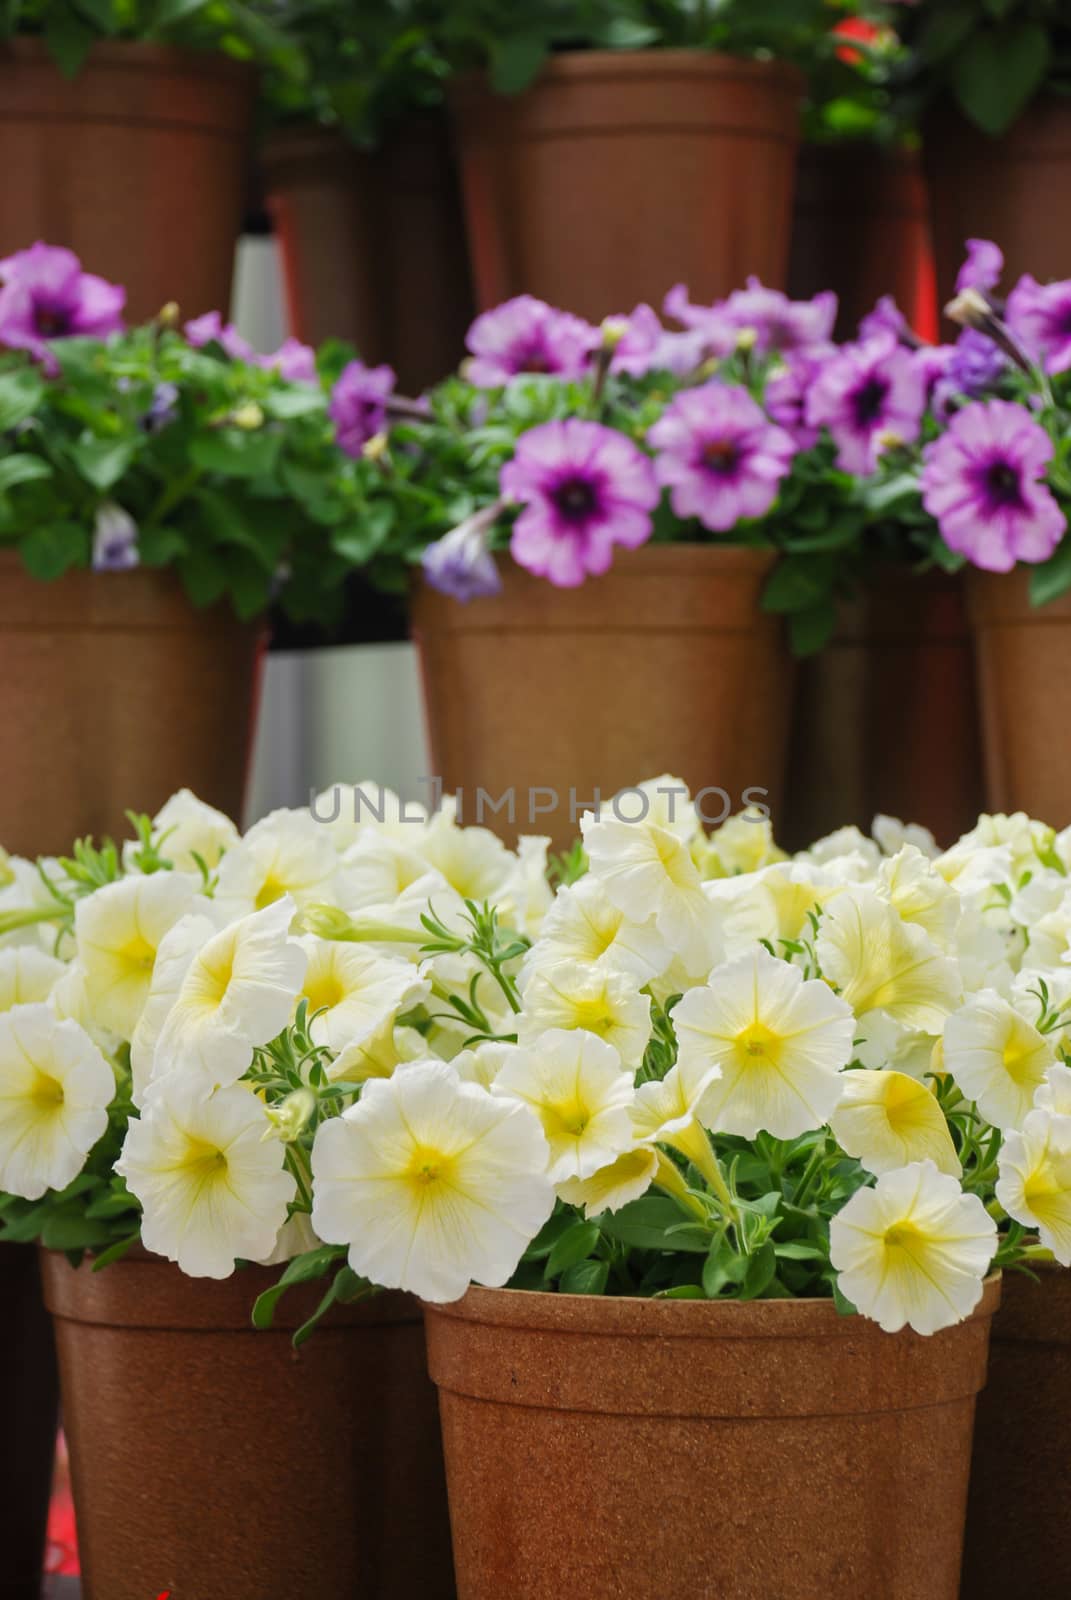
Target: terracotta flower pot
{"x":1012,"y":189}
{"x":374,"y":245}
{"x":886,"y":717}
{"x":115,"y":692}
{"x":1016,"y":1540}
{"x":619,"y":173}
{"x":210,"y":1459}
{"x":1023,"y":654}
{"x":663,"y":665}
{"x":28,"y":1415}
{"x":606,"y":1447}
{"x":138,"y":164}
{"x":862,"y":227}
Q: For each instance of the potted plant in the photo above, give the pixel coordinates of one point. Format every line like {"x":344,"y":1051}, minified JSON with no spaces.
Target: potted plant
{"x":603,"y":154}
{"x":114,"y":115}
{"x":362,"y":187}
{"x":988,"y":84}
{"x":160,"y":485}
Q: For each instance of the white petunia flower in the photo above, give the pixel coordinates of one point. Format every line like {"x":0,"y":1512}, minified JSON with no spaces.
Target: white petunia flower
{"x":352,"y":992}
{"x":775,"y":904}
{"x":996,"y":1058}
{"x":377,"y":870}
{"x":174,"y":958}
{"x":881,"y":963}
{"x":1054,"y":1095}
{"x":286,"y":853}
{"x":526,"y":896}
{"x":214,"y":1190}
{"x":433,"y":1183}
{"x":890,"y":835}
{"x":584,"y":925}
{"x":377,"y":1054}
{"x":572,"y":995}
{"x":628,"y":1177}
{"x":474,"y":861}
{"x":55,"y":1090}
{"x":186,"y":828}
{"x":743,"y":844}
{"x":780,"y":1041}
{"x":118,"y":931}
{"x":919,"y":895}
{"x":913,"y":1250}
{"x":348,"y":812}
{"x":1034,"y":1185}
{"x":27,"y":975}
{"x":577,"y":1087}
{"x":887,"y":1120}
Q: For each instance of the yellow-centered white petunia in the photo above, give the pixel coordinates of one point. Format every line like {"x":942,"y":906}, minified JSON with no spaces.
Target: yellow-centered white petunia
{"x":628,"y":1177}
{"x":577,"y":1087}
{"x":879,"y":962}
{"x":1034,"y":1185}
{"x":351,"y":991}
{"x":55,"y":1090}
{"x":118,"y":932}
{"x":27,"y":975}
{"x":286,"y":853}
{"x":779,"y":1039}
{"x":431,"y":1182}
{"x":914,"y":1250}
{"x":571,"y":995}
{"x":888,"y":1119}
{"x":584,"y":925}
{"x":996,"y":1058}
{"x":186,"y":829}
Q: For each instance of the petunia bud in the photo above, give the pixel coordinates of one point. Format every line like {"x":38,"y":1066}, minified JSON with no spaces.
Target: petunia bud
{"x":970,"y":309}
{"x":169,"y":316}
{"x":248,"y":416}
{"x":291,"y":1116}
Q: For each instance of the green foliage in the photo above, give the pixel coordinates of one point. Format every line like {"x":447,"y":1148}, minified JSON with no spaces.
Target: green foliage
{"x":70,"y":28}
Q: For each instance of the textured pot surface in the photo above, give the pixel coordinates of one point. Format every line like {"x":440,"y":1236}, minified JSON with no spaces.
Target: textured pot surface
{"x":374,"y":246}
{"x":29,"y":1402}
{"x":115,"y":692}
{"x":663,"y":665}
{"x":886,"y":716}
{"x":612,"y":1448}
{"x":1012,"y":189}
{"x":1016,"y":1540}
{"x":619,"y":173}
{"x":105,"y":163}
{"x":1023,"y":654}
{"x":861,"y":227}
{"x":211,"y":1459}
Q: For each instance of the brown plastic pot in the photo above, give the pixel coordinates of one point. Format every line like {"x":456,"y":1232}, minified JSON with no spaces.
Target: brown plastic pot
{"x":611,"y":1448}
{"x":210,"y":1459}
{"x":29,"y":1398}
{"x":1021,"y":1474}
{"x":1023,"y":654}
{"x":886,"y":717}
{"x":619,"y":173}
{"x":663,"y":665}
{"x":115,"y":692}
{"x":1012,"y":189}
{"x":137,"y":163}
{"x":861,"y":227}
{"x":373,"y":245}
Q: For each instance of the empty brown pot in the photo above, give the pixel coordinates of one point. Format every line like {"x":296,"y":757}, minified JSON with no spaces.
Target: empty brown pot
{"x":213,"y":1460}
{"x":115,"y":692}
{"x":138,"y":164}
{"x":373,"y":245}
{"x":1020,"y":1476}
{"x":862,"y":228}
{"x":1012,"y":189}
{"x":611,"y":1448}
{"x":619,"y":173}
{"x":887,"y":715}
{"x":28,"y":1416}
{"x":1024,"y":679}
{"x":663,"y":665}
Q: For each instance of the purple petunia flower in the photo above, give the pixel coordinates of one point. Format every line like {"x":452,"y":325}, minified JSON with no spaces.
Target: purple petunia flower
{"x":358,"y":405}
{"x":524,"y":335}
{"x":718,"y":455}
{"x":777,"y":322}
{"x":46,"y":296}
{"x":983,"y":267}
{"x":211,"y":329}
{"x":886,"y":317}
{"x":460,"y":564}
{"x":163,"y":408}
{"x":786,"y":393}
{"x":294,"y":361}
{"x":115,"y":539}
{"x":584,"y":489}
{"x":1039,"y":316}
{"x":976,"y":364}
{"x":868,"y":395}
{"x":983,"y":481}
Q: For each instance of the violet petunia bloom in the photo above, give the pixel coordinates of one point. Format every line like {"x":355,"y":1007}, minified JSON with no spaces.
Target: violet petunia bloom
{"x":719,"y":456}
{"x":639,"y":338}
{"x":358,"y":405}
{"x":1039,"y":316}
{"x":786,"y":393}
{"x":983,"y":482}
{"x":886,"y":317}
{"x":777,"y":323}
{"x":976,"y":364}
{"x":524,"y":335}
{"x":163,"y":408}
{"x":460,"y":563}
{"x":584,"y":488}
{"x":46,"y":296}
{"x":211,"y":329}
{"x":115,"y":539}
{"x":868,"y":396}
{"x":294,"y":361}
{"x":983,"y":267}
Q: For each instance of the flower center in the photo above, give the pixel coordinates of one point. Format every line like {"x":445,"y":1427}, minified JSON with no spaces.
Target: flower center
{"x":50,"y":324}
{"x":902,"y":1236}
{"x":869,"y":401}
{"x":721,"y":456}
{"x":757,"y":1046}
{"x":428,"y":1167}
{"x":270,"y":891}
{"x":47,"y":1093}
{"x":567,"y":1120}
{"x":1003,"y":484}
{"x":575,"y":499}
{"x":323,"y":992}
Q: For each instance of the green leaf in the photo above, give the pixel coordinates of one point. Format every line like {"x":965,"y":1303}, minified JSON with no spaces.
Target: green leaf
{"x":100,"y":13}
{"x":163,"y":14}
{"x":645,"y":1224}
{"x":102,"y":462}
{"x":21,"y":392}
{"x":575,"y":1244}
{"x":722,"y":1267}
{"x":22,"y":468}
{"x":623,"y":33}
{"x":54,"y":548}
{"x":72,"y":1230}
{"x":115,"y":1252}
{"x":237,"y":454}
{"x":998,"y":72}
{"x":1051,"y":578}
{"x":844,"y":1306}
{"x":761,"y":1270}
{"x":302,"y":1269}
{"x":799,"y":1250}
{"x":68,"y":38}
{"x":159,"y":547}
{"x":515,"y":61}
{"x":945,"y":27}
{"x":683,"y":1291}
{"x":300,"y":401}
{"x":203,"y":576}
{"x":585,"y":1277}
{"x":811,"y":630}
{"x":798,"y":583}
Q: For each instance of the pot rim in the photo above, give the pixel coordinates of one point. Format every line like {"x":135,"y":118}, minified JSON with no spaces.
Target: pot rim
{"x":136,"y":55}
{"x":616,"y":1316}
{"x":608,"y":65}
